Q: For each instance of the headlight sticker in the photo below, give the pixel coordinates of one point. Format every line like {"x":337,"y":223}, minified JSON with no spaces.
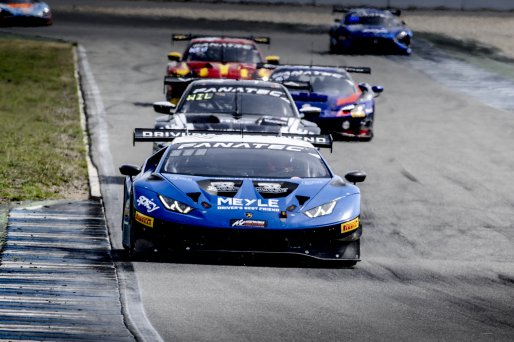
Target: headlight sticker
{"x":143,"y":219}
{"x":350,"y":225}
{"x":149,"y":204}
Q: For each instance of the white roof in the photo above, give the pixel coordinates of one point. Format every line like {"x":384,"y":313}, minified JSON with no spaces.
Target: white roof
{"x":249,"y":138}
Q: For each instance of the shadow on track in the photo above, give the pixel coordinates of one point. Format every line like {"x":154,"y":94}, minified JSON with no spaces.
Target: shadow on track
{"x":276,"y":260}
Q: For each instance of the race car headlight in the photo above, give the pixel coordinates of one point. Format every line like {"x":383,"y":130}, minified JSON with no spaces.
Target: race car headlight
{"x":401,"y":35}
{"x":46,"y":10}
{"x":324,"y":209}
{"x":356,"y":111}
{"x":175,"y":205}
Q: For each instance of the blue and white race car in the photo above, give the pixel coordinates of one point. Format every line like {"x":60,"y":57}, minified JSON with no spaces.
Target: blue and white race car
{"x":24,"y":12}
{"x":363,"y":30}
{"x":347,"y":107}
{"x":251,"y":193}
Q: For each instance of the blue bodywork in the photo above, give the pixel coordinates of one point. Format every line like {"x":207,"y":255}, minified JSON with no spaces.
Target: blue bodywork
{"x":24,"y":12}
{"x":366,"y":30}
{"x":237,"y":214}
{"x":347,"y":108}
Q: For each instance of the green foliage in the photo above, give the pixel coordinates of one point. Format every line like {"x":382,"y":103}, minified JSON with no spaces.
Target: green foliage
{"x":41,"y":146}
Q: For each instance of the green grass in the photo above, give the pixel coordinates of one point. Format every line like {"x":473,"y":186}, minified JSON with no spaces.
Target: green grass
{"x":42,"y":154}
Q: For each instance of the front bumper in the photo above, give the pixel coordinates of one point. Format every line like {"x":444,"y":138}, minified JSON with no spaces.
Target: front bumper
{"x":327,"y":243}
{"x":356,"y":128}
{"x":372,"y":44}
{"x":29,"y":19}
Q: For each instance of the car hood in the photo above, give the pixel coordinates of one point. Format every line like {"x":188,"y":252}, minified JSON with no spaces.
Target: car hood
{"x":328,"y":104}
{"x":372,"y":30}
{"x":272,"y":203}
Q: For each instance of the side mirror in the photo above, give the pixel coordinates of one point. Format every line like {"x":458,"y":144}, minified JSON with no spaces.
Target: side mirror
{"x":273,"y":60}
{"x":355,"y":176}
{"x":309,"y":111}
{"x":364,"y":87}
{"x":377,"y":90}
{"x":164,"y":107}
{"x":129,"y":170}
{"x":174,"y":56}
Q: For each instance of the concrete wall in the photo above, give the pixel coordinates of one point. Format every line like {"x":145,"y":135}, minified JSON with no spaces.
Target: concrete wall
{"x":499,"y":5}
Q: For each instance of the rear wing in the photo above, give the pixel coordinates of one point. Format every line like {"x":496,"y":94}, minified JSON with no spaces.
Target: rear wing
{"x":342,"y":9}
{"x":296,"y":85}
{"x":352,"y":69}
{"x":168,"y":135}
{"x":188,"y":36}
{"x":357,"y":70}
{"x":174,"y":80}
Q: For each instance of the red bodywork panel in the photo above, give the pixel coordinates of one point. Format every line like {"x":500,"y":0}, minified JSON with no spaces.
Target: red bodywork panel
{"x":214,"y":69}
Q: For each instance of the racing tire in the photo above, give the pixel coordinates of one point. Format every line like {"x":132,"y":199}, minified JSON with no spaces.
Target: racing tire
{"x":334,"y":49}
{"x":138,"y":247}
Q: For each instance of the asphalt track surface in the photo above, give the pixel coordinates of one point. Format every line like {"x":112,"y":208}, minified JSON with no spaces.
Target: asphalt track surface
{"x":438,"y":208}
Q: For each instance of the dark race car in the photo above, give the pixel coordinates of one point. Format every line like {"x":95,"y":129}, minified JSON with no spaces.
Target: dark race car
{"x":363,"y":30}
{"x":347,"y":108}
{"x":24,"y":12}
{"x":243,"y":193}
{"x":255,"y":106}
{"x":215,"y":57}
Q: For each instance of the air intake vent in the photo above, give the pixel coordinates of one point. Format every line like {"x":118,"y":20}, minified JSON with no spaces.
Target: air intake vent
{"x":274,"y":189}
{"x":302,"y":199}
{"x":194,"y":195}
{"x":219,"y":187}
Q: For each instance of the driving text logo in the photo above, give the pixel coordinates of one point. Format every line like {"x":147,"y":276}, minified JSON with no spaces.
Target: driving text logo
{"x":228,"y":203}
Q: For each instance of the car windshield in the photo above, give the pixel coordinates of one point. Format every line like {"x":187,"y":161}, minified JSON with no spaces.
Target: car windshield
{"x":223,"y":52}
{"x":263,"y":101}
{"x":321,"y":82}
{"x":373,"y":20}
{"x":255,"y":160}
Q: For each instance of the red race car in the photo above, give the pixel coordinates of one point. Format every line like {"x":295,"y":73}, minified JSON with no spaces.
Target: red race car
{"x":215,"y":57}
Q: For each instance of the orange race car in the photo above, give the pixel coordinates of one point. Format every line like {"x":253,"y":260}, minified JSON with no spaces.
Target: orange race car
{"x":215,"y":57}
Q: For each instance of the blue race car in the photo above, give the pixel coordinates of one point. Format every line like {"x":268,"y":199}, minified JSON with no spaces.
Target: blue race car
{"x":24,"y":12}
{"x":347,"y":108}
{"x":251,"y":193}
{"x":363,"y":30}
